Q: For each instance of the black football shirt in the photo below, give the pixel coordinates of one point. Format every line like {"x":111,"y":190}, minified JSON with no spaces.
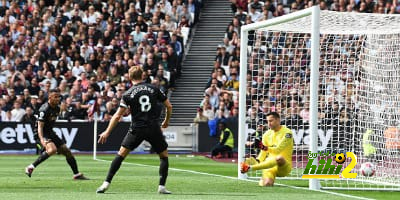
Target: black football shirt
{"x":145,"y":103}
{"x":48,"y":115}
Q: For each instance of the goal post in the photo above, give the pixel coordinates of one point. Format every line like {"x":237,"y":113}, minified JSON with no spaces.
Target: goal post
{"x":95,"y":135}
{"x":314,"y":11}
{"x":334,"y":79}
{"x":314,"y":82}
{"x":243,"y":126}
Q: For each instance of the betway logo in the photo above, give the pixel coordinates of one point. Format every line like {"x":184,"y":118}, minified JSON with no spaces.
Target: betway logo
{"x":302,"y":136}
{"x":23,"y":134}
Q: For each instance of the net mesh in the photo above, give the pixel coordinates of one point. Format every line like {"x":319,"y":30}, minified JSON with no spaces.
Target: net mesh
{"x":358,"y":97}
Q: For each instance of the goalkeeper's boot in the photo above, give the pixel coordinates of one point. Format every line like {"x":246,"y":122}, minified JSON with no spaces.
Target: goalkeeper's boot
{"x":163,"y":190}
{"x":80,"y":176}
{"x":103,"y":187}
{"x":29,"y":170}
{"x":244,"y":167}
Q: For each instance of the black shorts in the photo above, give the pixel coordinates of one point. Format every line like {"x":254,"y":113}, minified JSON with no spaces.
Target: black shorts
{"x":152,"y":134}
{"x":52,"y":137}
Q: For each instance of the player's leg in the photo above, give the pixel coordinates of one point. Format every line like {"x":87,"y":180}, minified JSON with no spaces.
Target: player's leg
{"x":132,"y":140}
{"x":51,"y":149}
{"x":64,"y":150}
{"x":251,"y":161}
{"x":116,"y":163}
{"x":268,"y":176}
{"x":114,"y":167}
{"x":158,"y":143}
{"x":280,"y":160}
{"x":282,"y":169}
{"x":269,"y":163}
{"x":163,"y":172}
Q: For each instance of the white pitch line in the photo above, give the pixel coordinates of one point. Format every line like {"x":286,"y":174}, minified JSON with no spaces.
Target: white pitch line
{"x":235,"y":178}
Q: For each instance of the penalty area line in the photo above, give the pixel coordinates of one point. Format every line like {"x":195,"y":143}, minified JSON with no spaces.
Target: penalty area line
{"x":235,"y":178}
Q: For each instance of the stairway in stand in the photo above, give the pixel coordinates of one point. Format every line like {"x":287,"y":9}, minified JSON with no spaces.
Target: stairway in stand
{"x":196,"y":68}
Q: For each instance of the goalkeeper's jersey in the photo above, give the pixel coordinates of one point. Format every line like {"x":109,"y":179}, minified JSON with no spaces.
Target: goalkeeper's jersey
{"x":278,"y":143}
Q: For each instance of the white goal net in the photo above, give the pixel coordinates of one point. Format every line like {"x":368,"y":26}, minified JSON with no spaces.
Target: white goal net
{"x":358,"y":90}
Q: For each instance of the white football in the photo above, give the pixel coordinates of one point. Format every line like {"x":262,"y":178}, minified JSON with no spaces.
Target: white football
{"x":367,"y":169}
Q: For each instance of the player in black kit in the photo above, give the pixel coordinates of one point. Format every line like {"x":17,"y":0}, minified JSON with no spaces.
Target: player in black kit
{"x":48,"y":113}
{"x":143,"y":100}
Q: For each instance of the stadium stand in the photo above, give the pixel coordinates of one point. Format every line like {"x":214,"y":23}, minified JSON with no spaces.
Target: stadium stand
{"x":220,"y":97}
{"x":85,"y":49}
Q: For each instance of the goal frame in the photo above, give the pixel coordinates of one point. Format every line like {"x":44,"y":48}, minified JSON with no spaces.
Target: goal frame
{"x":315,"y":34}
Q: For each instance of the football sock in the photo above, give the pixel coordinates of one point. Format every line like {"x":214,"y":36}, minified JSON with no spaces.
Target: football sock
{"x":72,"y":163}
{"x":268,"y":163}
{"x":41,"y":158}
{"x":116,"y":163}
{"x":163,"y":170}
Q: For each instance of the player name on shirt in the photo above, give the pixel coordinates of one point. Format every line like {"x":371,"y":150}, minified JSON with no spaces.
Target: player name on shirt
{"x":141,"y":88}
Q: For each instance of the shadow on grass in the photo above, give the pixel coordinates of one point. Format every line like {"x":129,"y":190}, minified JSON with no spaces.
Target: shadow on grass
{"x":180,"y":194}
{"x":215,"y":194}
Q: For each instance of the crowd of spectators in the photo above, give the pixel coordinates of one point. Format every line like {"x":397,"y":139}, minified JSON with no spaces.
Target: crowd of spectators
{"x":278,"y":77}
{"x":85,"y":48}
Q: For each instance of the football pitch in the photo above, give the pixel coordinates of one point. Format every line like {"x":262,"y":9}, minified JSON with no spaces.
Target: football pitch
{"x":190,"y":177}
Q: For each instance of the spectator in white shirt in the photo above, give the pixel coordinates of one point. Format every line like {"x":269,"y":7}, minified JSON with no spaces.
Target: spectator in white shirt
{"x":49,"y":77}
{"x":137,"y":35}
{"x":77,"y":69}
{"x":17,"y":113}
{"x":255,"y":15}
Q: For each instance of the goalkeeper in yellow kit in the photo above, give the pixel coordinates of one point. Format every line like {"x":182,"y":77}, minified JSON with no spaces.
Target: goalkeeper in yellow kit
{"x":275,"y":157}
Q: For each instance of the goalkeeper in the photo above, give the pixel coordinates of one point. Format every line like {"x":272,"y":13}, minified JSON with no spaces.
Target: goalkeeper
{"x":275,"y":157}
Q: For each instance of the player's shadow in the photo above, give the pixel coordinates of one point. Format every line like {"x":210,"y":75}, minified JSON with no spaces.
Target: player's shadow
{"x":194,"y":194}
{"x":214,"y":194}
{"x":107,"y":193}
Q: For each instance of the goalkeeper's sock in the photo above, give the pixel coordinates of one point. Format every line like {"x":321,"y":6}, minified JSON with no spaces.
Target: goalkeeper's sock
{"x":268,"y":163}
{"x":115,"y":165}
{"x":251,"y":161}
{"x":163,"y":172}
{"x":72,"y":163}
{"x":41,"y":158}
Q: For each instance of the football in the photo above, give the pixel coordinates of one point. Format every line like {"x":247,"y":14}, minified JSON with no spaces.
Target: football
{"x":367,"y":169}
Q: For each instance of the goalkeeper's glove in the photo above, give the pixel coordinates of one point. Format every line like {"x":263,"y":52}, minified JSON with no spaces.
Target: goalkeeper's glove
{"x":244,"y":167}
{"x":262,"y":147}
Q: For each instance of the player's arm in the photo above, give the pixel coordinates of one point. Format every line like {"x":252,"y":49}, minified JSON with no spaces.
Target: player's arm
{"x":168,"y":111}
{"x":41,"y":124}
{"x":113,"y":122}
{"x":263,"y":148}
{"x":286,"y":141}
{"x":40,"y":133}
{"x":262,"y":155}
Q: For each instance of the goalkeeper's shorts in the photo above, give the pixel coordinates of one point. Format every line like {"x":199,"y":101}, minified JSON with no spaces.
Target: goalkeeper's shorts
{"x":280,"y":171}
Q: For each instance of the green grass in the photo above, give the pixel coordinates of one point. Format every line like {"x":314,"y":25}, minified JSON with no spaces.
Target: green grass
{"x":138,"y":179}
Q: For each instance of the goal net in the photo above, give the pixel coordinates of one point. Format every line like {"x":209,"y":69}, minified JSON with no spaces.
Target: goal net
{"x":357,"y":103}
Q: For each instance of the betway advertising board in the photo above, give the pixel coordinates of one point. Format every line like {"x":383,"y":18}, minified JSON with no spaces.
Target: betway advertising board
{"x":76,"y":135}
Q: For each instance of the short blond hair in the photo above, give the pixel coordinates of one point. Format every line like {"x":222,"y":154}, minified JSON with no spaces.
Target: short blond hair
{"x":135,"y":73}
